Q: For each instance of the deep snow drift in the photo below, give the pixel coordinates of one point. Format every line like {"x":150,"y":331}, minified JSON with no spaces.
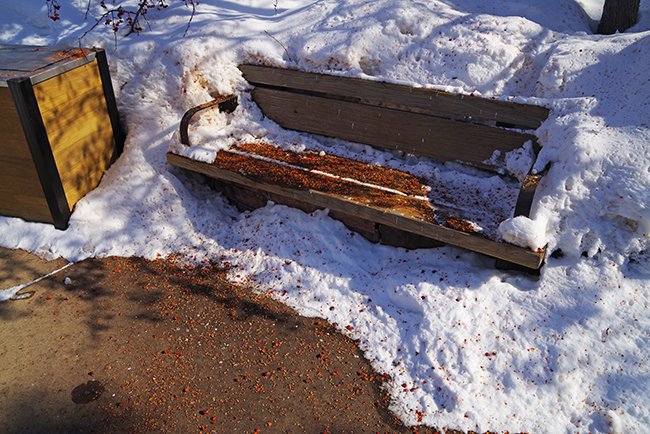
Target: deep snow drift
{"x":466,"y":346}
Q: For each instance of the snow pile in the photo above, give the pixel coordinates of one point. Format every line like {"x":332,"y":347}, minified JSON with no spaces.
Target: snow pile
{"x":466,"y":346}
{"x":523,"y":232}
{"x":517,"y":162}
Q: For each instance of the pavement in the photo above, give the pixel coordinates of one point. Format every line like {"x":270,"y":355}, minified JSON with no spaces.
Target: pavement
{"x":130,"y":345}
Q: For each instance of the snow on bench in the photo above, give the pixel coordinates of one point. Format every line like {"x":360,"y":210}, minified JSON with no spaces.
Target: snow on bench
{"x":387,"y":205}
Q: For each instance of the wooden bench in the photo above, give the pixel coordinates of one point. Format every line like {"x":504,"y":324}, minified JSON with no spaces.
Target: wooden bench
{"x":385,"y":205}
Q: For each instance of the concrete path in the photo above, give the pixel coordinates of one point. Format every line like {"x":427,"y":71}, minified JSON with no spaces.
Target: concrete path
{"x":138,"y":346}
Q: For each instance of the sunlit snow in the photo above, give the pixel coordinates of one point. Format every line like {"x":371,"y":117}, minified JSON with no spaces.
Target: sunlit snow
{"x":477,"y":348}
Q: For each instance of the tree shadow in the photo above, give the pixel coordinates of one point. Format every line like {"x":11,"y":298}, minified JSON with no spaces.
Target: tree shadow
{"x":536,"y":13}
{"x":36,"y":411}
{"x":241,"y":304}
{"x":628,"y":105}
{"x":19,"y":268}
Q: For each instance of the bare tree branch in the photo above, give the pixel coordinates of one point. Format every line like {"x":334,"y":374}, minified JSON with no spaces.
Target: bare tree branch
{"x":193,"y":4}
{"x":280,"y":43}
{"x":53,"y":7}
{"x":118,"y":17}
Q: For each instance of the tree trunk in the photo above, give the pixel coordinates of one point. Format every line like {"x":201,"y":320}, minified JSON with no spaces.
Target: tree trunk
{"x":618,"y":15}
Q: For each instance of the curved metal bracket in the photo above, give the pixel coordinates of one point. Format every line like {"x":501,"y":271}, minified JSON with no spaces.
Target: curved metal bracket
{"x":226,"y":104}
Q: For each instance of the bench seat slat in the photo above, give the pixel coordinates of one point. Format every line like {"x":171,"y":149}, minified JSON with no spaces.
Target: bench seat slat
{"x":417,"y":100}
{"x":387,"y":128}
{"x":347,"y":206}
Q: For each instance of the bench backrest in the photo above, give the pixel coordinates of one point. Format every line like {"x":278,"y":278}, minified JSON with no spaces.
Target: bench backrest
{"x":427,"y":122}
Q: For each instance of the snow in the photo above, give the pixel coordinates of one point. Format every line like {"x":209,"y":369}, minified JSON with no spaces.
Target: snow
{"x":593,"y":8}
{"x":10,"y":293}
{"x":523,"y":232}
{"x":477,"y":348}
{"x":517,"y":162}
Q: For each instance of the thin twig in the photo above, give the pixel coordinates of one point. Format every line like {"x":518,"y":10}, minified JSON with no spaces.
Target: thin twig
{"x":133,"y":25}
{"x":99,"y":20}
{"x":120,"y":17}
{"x":281,"y":45}
{"x":144,"y":17}
{"x":191,"y":2}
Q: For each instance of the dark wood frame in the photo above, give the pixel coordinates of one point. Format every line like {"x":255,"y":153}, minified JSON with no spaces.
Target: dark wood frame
{"x":111,"y":103}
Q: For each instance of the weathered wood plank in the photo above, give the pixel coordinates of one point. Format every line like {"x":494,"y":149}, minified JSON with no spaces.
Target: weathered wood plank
{"x":391,"y":236}
{"x":270,"y":172}
{"x":425,"y":101}
{"x":386,"y":128}
{"x":341,"y":167}
{"x":503,"y":251}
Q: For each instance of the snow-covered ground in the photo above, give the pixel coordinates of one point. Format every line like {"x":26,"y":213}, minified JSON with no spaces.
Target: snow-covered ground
{"x":466,"y":346}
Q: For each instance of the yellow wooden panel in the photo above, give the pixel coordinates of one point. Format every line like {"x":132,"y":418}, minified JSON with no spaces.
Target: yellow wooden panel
{"x":82,"y":82}
{"x":64,"y":130}
{"x":78,"y":126}
{"x":85,"y":100}
{"x":21,"y":194}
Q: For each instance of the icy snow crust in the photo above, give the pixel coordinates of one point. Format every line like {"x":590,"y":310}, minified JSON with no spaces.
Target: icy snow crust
{"x":466,"y":346}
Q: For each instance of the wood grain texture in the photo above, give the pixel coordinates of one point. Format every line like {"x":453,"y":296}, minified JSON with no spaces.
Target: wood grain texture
{"x":78,"y":126}
{"x":21,"y":194}
{"x":387,"y":128}
{"x":425,"y":101}
{"x":503,"y":251}
{"x":14,"y":144}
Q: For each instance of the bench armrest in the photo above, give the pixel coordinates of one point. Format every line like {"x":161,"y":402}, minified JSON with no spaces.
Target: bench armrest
{"x":226,"y":104}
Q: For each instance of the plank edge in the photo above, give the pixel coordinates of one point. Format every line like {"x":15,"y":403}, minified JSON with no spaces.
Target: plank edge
{"x":507,"y":252}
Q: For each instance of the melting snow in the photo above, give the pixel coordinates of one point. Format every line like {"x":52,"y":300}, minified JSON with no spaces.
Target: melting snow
{"x":476,"y":347}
